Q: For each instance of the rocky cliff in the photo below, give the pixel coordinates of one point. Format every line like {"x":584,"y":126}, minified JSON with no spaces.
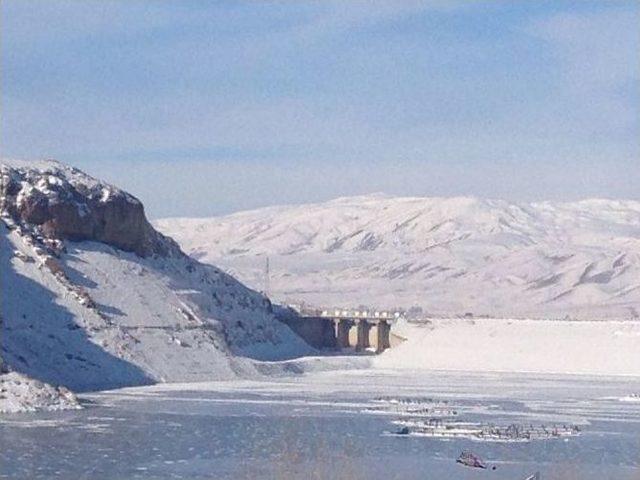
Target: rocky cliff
{"x":65,"y":203}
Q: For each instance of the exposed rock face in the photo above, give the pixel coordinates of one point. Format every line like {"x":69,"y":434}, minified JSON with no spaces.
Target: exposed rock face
{"x":65,"y":203}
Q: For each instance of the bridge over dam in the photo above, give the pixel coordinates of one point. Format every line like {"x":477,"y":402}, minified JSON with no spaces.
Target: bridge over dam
{"x":344,"y":329}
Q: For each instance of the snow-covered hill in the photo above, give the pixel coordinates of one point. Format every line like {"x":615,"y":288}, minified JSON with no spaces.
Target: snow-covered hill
{"x":449,"y":256}
{"x":93,"y":297}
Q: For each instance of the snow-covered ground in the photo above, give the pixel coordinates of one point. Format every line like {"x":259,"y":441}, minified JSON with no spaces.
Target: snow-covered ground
{"x":449,"y":256}
{"x":534,"y":266}
{"x":153,"y":319}
{"x":88,"y":315}
{"x":507,"y":345}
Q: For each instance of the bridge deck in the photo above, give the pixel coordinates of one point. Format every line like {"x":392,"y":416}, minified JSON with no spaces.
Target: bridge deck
{"x":372,"y":315}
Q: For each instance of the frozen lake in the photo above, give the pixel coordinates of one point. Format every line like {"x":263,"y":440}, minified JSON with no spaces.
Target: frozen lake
{"x":329,"y":425}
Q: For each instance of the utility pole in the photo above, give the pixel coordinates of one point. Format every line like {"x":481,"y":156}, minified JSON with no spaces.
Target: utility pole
{"x":266,"y":277}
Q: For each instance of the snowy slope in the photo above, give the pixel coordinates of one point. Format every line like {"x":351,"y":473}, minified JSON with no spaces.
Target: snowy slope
{"x":448,"y":255}
{"x":89,"y":315}
{"x":508,"y":345}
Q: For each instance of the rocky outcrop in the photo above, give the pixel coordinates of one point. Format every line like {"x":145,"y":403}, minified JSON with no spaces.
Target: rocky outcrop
{"x":65,"y":203}
{"x":19,"y":393}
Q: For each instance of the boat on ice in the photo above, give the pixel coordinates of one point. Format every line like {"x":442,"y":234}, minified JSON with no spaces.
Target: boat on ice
{"x":470,"y":459}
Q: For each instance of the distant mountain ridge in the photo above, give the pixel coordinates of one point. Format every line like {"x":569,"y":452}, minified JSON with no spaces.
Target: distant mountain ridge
{"x":447,"y":255}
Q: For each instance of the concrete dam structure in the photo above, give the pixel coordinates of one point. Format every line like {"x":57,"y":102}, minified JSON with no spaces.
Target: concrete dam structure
{"x":343,"y":329}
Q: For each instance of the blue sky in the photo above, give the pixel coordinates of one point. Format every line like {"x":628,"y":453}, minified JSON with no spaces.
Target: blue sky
{"x":203,"y":108}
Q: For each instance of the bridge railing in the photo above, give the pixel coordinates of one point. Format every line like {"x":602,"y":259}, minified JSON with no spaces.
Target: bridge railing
{"x":375,"y":314}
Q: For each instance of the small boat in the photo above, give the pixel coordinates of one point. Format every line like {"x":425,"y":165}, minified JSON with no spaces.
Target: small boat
{"x":470,"y":459}
{"x":533,"y":476}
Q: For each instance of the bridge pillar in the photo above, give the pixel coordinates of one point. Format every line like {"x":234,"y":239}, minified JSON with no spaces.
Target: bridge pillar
{"x":342,"y":332}
{"x":362,"y":329}
{"x":383,"y":336}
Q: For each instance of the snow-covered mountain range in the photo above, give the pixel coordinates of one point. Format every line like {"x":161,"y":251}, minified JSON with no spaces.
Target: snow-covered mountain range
{"x":93,"y":297}
{"x":450,"y":256}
